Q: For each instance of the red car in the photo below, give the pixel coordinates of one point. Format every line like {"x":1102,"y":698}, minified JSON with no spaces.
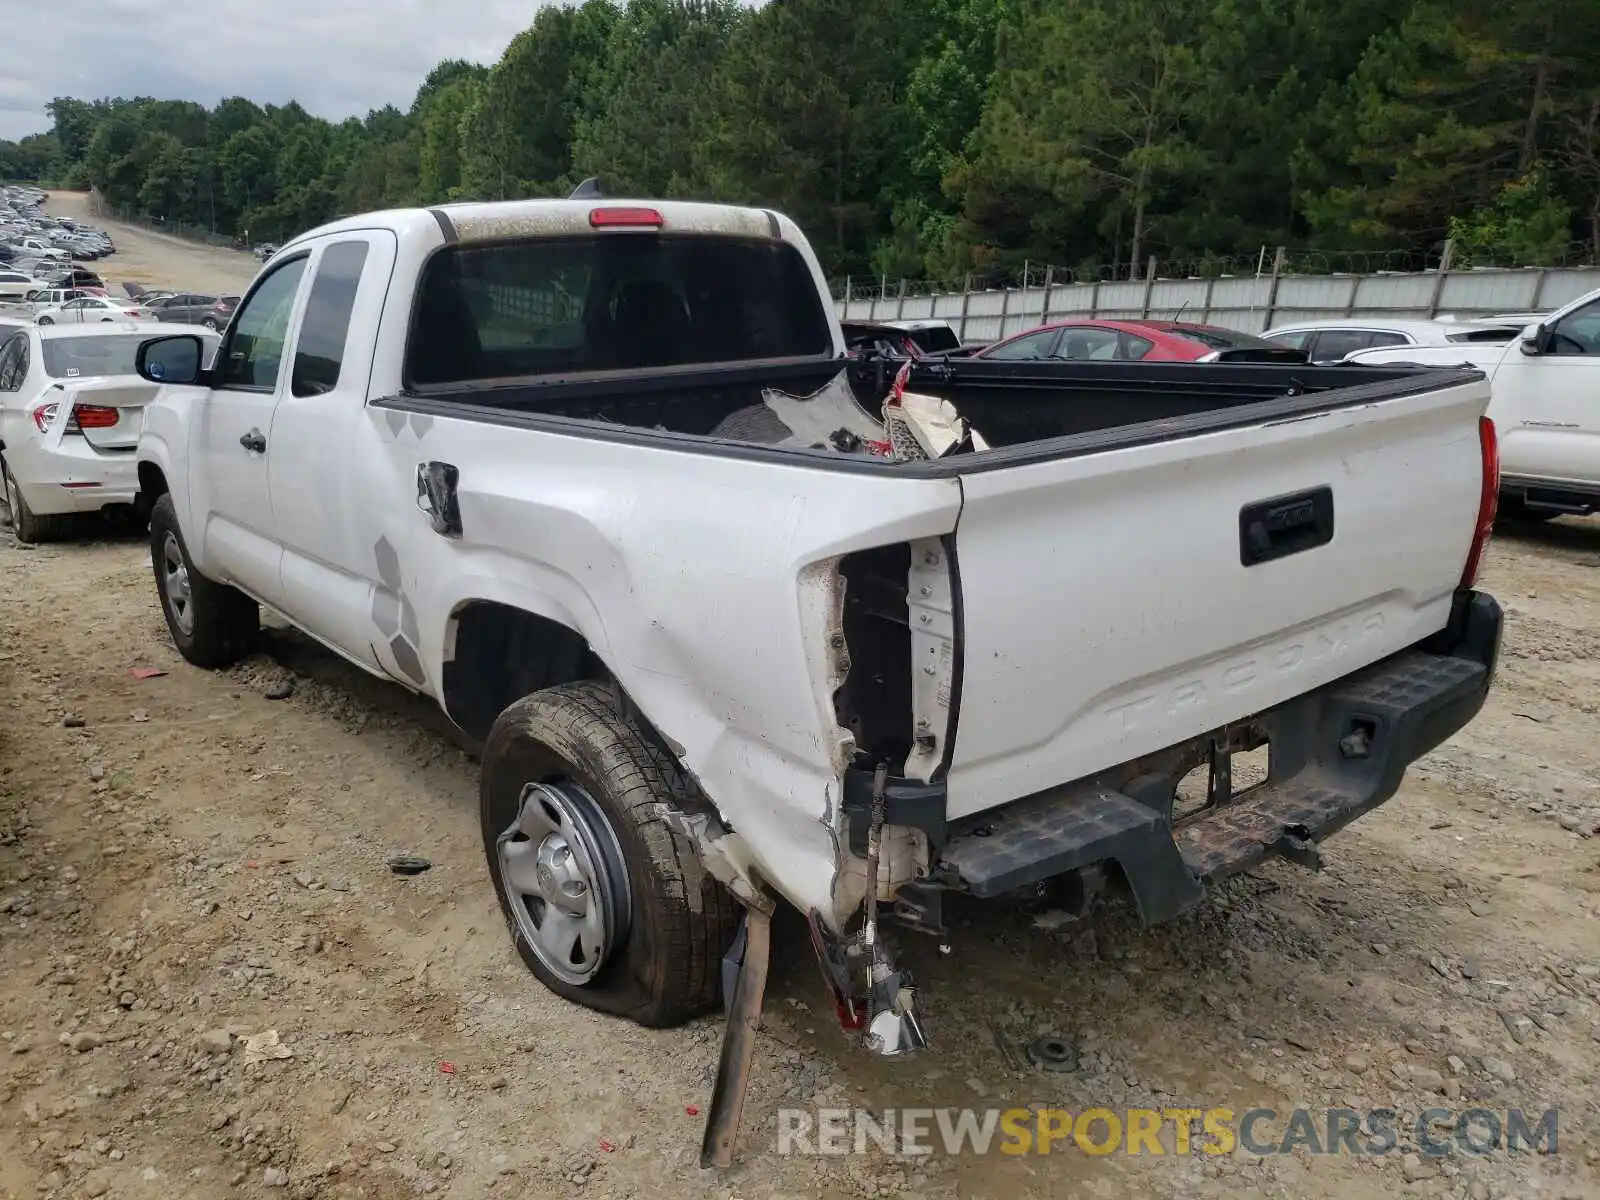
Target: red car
{"x":1136,"y":341}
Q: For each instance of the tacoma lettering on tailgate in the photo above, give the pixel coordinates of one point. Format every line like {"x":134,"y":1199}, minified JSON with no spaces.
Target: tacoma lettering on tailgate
{"x":1237,"y":675}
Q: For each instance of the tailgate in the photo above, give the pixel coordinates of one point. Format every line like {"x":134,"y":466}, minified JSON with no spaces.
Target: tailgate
{"x":1108,"y":612}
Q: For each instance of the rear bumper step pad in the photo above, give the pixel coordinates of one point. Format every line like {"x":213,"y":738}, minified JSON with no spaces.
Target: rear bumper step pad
{"x":1336,"y":754}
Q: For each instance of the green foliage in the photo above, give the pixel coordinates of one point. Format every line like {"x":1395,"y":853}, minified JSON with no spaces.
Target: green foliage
{"x":942,"y":137}
{"x":1525,"y":224}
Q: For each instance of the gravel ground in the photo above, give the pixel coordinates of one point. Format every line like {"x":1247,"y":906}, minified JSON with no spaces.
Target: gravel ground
{"x":157,"y":260}
{"x":211,"y":985}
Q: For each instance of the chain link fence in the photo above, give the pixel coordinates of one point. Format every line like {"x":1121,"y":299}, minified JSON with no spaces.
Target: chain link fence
{"x":180,"y":229}
{"x":1266,"y":260}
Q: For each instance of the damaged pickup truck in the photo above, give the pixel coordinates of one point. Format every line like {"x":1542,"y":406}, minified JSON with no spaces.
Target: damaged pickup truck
{"x":590,"y":474}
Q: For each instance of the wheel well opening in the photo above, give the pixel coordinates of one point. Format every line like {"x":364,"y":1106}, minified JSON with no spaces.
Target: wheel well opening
{"x":152,"y":483}
{"x":502,"y":654}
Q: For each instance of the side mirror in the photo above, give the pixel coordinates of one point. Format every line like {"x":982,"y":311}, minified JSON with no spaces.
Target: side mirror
{"x":1533,"y":339}
{"x":175,"y":359}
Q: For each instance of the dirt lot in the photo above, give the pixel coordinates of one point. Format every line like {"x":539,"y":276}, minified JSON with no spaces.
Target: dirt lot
{"x":156,"y":260}
{"x":187,"y":864}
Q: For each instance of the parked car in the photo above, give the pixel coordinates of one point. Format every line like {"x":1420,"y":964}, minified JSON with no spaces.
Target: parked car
{"x":1546,"y":389}
{"x":1330,"y":340}
{"x":71,"y":407}
{"x":15,"y":285}
{"x":92,"y":309}
{"x":40,"y":247}
{"x":73,"y":276}
{"x":1137,"y":341}
{"x":931,"y":334}
{"x":220,"y":313}
{"x":875,"y":350}
{"x":186,"y":308}
{"x":45,"y":299}
{"x":620,"y":516}
{"x":863,"y":338}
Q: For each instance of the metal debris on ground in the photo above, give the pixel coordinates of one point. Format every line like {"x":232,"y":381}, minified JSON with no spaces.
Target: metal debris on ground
{"x":404,"y":864}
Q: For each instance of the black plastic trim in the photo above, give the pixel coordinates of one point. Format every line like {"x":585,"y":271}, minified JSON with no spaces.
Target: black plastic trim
{"x":447,"y":227}
{"x":1337,"y":753}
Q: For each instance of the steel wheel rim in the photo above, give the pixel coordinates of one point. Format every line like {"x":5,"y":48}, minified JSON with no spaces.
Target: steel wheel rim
{"x":565,"y":880}
{"x":175,"y":582}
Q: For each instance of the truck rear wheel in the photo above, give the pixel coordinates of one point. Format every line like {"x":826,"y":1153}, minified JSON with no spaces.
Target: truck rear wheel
{"x":212,"y":625}
{"x":608,"y":907}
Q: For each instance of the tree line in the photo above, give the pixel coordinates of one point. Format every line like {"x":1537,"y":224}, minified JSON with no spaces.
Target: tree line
{"x":937,"y":138}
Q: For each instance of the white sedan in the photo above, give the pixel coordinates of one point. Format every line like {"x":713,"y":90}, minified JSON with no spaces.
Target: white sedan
{"x":71,"y":408}
{"x":88,"y":309}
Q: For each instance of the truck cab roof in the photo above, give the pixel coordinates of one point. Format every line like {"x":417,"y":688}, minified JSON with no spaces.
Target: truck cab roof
{"x":468,"y":222}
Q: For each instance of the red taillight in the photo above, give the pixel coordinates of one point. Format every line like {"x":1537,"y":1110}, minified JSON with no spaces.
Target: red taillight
{"x":603,"y":218}
{"x":83,"y":416}
{"x":1488,"y":501}
{"x":94,"y":416}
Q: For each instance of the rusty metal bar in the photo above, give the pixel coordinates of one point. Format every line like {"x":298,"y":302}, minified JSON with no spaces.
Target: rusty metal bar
{"x":738,"y":1044}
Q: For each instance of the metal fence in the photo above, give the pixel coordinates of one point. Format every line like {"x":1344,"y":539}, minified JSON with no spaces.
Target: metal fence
{"x":1250,"y":303}
{"x":179,"y":229}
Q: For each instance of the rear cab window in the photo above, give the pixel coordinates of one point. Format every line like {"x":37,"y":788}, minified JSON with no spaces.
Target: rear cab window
{"x":325,"y":327}
{"x":584,"y":304}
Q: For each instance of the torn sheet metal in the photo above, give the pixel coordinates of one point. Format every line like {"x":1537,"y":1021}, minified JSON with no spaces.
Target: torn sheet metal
{"x":913,"y":427}
{"x":924,"y":427}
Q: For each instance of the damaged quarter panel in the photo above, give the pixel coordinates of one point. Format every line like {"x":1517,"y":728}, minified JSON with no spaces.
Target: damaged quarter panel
{"x":705,"y":585}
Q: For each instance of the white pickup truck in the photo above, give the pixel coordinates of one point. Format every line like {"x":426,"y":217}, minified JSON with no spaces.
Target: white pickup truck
{"x":1545,"y":402}
{"x":590,"y":474}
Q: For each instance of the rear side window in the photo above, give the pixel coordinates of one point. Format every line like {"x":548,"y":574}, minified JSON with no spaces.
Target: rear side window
{"x":1333,"y":344}
{"x":624,"y":301}
{"x":326,"y":326}
{"x":1135,"y":347}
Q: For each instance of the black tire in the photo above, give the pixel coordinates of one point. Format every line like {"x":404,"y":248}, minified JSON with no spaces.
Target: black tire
{"x":1515,"y":508}
{"x":209,"y":324}
{"x":47,"y":320}
{"x":30,"y":528}
{"x":223,"y":623}
{"x":666,"y":968}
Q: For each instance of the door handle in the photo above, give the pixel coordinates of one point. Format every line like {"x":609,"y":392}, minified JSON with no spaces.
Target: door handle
{"x":254,"y":441}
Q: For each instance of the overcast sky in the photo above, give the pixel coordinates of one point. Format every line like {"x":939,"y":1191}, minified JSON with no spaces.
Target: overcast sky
{"x":336,"y":57}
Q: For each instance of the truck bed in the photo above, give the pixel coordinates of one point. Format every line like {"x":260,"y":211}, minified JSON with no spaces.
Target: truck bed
{"x":1017,"y":407}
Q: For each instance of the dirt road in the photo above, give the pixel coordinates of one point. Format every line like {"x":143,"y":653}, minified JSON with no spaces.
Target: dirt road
{"x":211,"y":985}
{"x":156,"y":260}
